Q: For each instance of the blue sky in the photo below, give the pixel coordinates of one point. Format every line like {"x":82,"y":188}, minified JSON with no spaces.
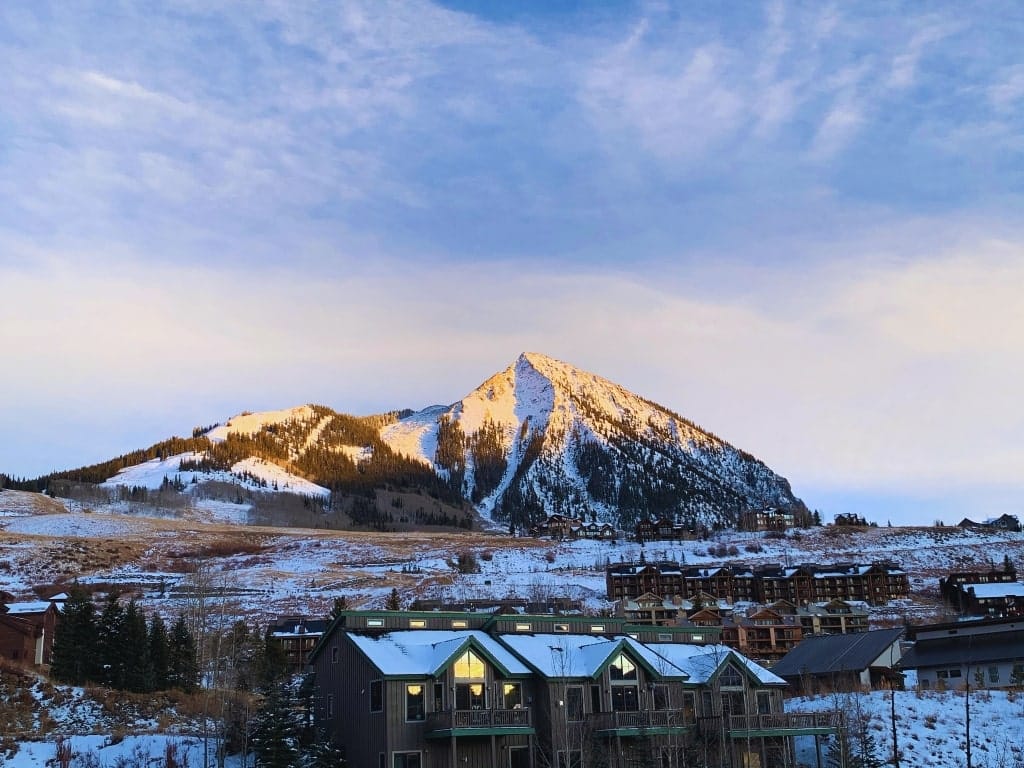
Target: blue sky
{"x":796,"y":223}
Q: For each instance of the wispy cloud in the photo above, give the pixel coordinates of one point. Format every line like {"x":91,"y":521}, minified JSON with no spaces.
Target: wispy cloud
{"x":271,"y":188}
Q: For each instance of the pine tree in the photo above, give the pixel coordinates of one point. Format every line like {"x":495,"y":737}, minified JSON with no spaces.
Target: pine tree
{"x":159,"y":652}
{"x":275,"y":731}
{"x":340,"y":604}
{"x":272,"y":665}
{"x":182,"y":669}
{"x":394,"y":602}
{"x":74,"y":642}
{"x":110,"y":642}
{"x":138,"y":667}
{"x":323,"y":754}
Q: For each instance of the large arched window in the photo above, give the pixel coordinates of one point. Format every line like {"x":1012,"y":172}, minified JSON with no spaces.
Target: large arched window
{"x":625,"y":684}
{"x":470,"y":682}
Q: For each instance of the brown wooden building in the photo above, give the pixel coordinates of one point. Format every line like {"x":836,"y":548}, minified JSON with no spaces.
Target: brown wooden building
{"x":26,"y":631}
{"x":875,"y":584}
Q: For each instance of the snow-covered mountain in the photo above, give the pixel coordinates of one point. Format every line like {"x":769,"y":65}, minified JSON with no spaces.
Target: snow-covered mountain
{"x":543,"y":436}
{"x":540,"y":437}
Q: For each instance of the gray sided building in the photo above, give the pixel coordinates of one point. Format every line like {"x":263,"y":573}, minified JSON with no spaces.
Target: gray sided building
{"x":440,"y":690}
{"x":987,"y":653}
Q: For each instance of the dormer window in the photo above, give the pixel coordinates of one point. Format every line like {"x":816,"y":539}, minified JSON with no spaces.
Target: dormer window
{"x":625,"y":684}
{"x":470,"y":678}
{"x":623,"y":669}
{"x":730,"y":677}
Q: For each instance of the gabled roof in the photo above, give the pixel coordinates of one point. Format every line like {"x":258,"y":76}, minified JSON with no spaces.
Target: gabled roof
{"x":700,"y":663}
{"x":426,"y":653}
{"x":584,"y":656}
{"x":827,"y":654}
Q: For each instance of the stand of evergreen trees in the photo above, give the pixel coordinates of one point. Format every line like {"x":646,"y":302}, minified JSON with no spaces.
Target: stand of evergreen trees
{"x":119,"y":648}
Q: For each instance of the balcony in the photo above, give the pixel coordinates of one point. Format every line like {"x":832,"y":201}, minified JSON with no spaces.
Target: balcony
{"x":779,"y":724}
{"x":639,"y":722}
{"x":478,"y":722}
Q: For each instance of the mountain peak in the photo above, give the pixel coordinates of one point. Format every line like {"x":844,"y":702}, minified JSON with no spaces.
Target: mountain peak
{"x":543,"y":436}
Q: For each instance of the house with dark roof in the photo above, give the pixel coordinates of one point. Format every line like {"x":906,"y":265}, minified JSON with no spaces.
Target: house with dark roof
{"x":1001,"y":523}
{"x":843,"y":662}
{"x":410,"y":689}
{"x":988,"y":653}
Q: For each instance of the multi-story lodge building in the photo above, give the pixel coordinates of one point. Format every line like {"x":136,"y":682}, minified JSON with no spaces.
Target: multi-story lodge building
{"x":441,"y":690}
{"x":875,"y":584}
{"x":297,"y":636}
{"x":995,"y":592}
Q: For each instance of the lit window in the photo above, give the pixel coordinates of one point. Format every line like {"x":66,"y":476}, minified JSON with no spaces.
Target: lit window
{"x":523,"y":627}
{"x":623,"y":668}
{"x":415,"y":708}
{"x":469,"y":666}
{"x":459,"y":624}
{"x":561,"y":627}
{"x":417,"y":623}
{"x":375,"y":622}
{"x":597,"y":627}
{"x":511,"y":695}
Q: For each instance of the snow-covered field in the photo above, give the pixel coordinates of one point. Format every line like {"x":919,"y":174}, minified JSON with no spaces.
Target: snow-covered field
{"x":276,"y":570}
{"x":930,"y":727}
{"x":265,"y":572}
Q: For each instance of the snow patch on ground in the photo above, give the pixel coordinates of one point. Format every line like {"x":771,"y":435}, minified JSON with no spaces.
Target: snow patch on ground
{"x":416,"y":435}
{"x":152,"y":474}
{"x":250,"y":423}
{"x":930,"y":730}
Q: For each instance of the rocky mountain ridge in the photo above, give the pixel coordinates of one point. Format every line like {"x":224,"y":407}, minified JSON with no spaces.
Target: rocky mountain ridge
{"x":538,"y":438}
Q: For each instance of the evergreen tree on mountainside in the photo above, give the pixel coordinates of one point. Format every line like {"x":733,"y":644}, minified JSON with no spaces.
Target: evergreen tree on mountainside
{"x":159,"y":652}
{"x":74,"y":642}
{"x":450,"y":453}
{"x":182,"y":667}
{"x":489,"y":461}
{"x":110,"y":642}
{"x":137,"y":665}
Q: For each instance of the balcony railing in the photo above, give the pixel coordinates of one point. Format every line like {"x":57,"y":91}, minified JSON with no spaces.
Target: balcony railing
{"x":741,"y":725}
{"x":478,"y":718}
{"x":638,"y":720}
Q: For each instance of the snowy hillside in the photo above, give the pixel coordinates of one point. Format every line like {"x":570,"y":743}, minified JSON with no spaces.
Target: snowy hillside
{"x":540,"y":437}
{"x":543,"y":437}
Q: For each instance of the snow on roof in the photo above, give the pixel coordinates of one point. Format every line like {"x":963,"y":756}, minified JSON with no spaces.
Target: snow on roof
{"x":700,"y":662}
{"x":420,"y":652}
{"x":1011,"y":589}
{"x":559,"y":656}
{"x":36,"y":606}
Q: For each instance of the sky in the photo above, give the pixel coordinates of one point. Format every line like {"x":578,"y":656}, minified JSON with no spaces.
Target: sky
{"x":798,"y":224}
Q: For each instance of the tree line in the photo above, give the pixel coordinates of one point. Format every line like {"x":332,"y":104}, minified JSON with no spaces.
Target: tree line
{"x":120,"y":648}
